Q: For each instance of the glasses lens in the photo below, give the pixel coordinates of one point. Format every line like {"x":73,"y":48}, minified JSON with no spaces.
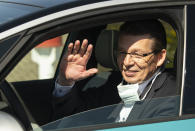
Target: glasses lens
{"x":135,"y":57}
{"x":139,"y":60}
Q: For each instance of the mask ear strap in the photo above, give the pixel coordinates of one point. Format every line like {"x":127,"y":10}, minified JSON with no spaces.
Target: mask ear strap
{"x":151,"y":85}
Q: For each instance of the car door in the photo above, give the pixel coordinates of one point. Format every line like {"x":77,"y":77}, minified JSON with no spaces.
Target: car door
{"x":185,"y":119}
{"x":37,"y":93}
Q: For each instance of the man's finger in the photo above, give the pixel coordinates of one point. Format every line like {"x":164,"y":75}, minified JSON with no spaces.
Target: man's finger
{"x":92,"y":71}
{"x":87,"y":54}
{"x":70,"y":47}
{"x":76,"y":47}
{"x":83,"y":47}
{"x":70,"y":58}
{"x":89,"y":72}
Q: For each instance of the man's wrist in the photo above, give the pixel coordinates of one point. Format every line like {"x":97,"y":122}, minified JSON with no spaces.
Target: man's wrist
{"x":64,"y":82}
{"x":61,"y":90}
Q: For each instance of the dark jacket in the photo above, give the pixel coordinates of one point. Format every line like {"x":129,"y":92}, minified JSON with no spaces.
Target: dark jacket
{"x":161,"y":101}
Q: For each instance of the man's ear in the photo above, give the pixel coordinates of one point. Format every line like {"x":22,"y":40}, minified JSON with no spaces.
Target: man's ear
{"x":161,"y":56}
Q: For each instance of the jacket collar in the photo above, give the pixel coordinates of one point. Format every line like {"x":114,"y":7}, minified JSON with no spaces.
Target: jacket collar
{"x":139,"y":106}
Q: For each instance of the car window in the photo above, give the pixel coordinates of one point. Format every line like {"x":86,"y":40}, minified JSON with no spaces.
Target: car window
{"x":40,"y":63}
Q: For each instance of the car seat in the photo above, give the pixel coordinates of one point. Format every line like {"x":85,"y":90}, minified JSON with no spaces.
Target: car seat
{"x":105,"y":55}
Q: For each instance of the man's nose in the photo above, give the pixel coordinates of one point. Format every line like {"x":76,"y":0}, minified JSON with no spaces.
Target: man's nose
{"x":128,"y":61}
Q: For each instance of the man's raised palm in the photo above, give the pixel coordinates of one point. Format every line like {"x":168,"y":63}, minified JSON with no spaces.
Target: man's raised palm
{"x":73,"y":64}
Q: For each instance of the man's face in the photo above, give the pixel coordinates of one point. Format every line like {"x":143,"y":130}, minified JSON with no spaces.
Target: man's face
{"x":136,"y":69}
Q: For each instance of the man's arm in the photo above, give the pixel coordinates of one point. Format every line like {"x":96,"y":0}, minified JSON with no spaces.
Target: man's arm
{"x":60,"y":90}
{"x":72,"y":69}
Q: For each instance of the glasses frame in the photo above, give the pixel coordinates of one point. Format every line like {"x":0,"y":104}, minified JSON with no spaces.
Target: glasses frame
{"x":142,"y":55}
{"x":139,"y":56}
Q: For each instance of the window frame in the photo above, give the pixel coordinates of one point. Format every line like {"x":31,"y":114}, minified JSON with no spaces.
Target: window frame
{"x":188,"y":90}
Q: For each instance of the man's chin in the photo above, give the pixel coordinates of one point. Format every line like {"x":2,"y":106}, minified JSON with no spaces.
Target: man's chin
{"x":131,"y":80}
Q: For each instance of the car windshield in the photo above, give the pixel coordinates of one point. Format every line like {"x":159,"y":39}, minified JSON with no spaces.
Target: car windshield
{"x":10,"y":11}
{"x":110,"y":114}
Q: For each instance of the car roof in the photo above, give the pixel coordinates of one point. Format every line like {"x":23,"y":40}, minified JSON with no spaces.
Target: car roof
{"x":38,"y":3}
{"x":17,"y":12}
{"x":50,"y":3}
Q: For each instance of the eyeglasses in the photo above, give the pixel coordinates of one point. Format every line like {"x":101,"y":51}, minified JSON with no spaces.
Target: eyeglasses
{"x":139,"y":58}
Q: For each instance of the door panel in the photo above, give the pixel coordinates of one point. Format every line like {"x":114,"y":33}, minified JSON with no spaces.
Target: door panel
{"x":36,"y":95}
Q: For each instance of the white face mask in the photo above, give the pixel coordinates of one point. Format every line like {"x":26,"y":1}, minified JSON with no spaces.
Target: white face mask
{"x":128,"y":93}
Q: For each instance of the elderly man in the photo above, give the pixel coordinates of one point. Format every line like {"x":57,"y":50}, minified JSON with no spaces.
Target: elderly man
{"x":141,"y":55}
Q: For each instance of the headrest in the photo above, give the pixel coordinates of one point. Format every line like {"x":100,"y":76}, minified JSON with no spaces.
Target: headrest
{"x":106,"y":47}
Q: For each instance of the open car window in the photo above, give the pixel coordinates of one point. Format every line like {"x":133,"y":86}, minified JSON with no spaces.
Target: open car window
{"x":35,"y":66}
{"x":109,"y":114}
